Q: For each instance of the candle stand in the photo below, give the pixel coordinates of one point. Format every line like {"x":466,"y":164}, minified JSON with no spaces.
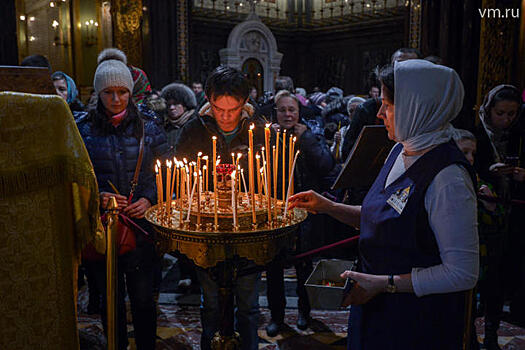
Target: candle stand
{"x":223,"y":252}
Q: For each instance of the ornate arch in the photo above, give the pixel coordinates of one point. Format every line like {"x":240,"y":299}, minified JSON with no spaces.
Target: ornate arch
{"x":252,"y":39}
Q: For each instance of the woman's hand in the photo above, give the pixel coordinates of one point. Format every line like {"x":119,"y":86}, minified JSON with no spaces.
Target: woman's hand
{"x":312,"y":201}
{"x":137,"y":209}
{"x":485,"y":191}
{"x":518,"y":174}
{"x":366,"y":287}
{"x":298,"y":130}
{"x":122,"y":201}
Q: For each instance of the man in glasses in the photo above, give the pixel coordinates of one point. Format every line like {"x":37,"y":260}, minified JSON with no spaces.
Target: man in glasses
{"x":227,"y":116}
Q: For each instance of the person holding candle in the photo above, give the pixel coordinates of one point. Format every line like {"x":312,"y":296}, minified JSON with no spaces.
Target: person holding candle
{"x":227,"y":117}
{"x":313,"y":163}
{"x":112,"y":132}
{"x":418,"y":245}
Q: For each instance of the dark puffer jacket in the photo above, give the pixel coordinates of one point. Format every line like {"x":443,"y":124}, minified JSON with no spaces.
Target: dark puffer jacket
{"x":114,"y":151}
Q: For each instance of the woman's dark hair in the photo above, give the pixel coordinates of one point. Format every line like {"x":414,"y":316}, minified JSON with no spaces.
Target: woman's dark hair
{"x":102,"y":125}
{"x":506,"y":94}
{"x":58,"y":76}
{"x":386,"y":77}
{"x":227,"y":81}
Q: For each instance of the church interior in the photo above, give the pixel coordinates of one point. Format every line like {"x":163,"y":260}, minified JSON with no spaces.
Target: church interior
{"x":320,"y":44}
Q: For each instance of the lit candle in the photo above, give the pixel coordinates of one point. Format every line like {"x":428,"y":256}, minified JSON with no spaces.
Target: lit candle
{"x":250,"y":171}
{"x":158,"y":184}
{"x":268,"y":175}
{"x":216,"y":218}
{"x":266,"y":186}
{"x":187,"y":180}
{"x":233,"y":159}
{"x":261,"y":180}
{"x":168,"y":186}
{"x":198,"y":170}
{"x":237,"y":167}
{"x":289,"y":185}
{"x":160,"y":199}
{"x":293,"y":152}
{"x":275,"y":165}
{"x":175,"y":178}
{"x":206,"y":173}
{"x":244,"y":181}
{"x":234,"y":202}
{"x":199,"y":187}
{"x":283,"y":193}
{"x":259,"y":183}
{"x":191,"y":196}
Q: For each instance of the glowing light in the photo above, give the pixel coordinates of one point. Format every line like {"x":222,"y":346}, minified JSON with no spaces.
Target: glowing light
{"x":32,"y":38}
{"x":32,"y":18}
{"x":22,"y":18}
{"x":54,"y":24}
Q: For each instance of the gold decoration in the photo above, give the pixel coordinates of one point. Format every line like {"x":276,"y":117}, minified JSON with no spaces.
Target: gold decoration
{"x":127,"y":36}
{"x":496,"y":52}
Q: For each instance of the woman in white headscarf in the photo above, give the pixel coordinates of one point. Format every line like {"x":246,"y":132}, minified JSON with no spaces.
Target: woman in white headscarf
{"x":419,"y":246}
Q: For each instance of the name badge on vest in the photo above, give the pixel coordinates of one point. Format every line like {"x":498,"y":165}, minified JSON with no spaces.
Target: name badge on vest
{"x":399,"y":199}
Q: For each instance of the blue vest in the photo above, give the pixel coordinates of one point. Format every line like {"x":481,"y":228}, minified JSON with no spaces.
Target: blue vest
{"x":394,"y":243}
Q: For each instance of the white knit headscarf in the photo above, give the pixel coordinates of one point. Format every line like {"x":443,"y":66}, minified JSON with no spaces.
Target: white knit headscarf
{"x":427,"y":98}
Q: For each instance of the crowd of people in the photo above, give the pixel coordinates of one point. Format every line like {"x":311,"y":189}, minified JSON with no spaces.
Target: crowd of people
{"x":442,"y":217}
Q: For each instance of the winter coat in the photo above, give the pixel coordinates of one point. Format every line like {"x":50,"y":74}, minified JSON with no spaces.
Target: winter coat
{"x":114,"y":151}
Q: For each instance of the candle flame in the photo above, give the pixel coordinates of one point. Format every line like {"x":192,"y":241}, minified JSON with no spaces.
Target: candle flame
{"x":257,"y":156}
{"x":261,"y":170}
{"x":199,"y":154}
{"x":204,"y":167}
{"x":156,"y":169}
{"x":218,"y":162}
{"x":175,"y":160}
{"x":214,"y":138}
{"x":168,"y":163}
{"x":205,"y":158}
{"x":239,"y":155}
{"x":195,"y":173}
{"x":158,"y":163}
{"x":294,"y":138}
{"x":262,"y":149}
{"x":185,"y":160}
{"x":267,"y":125}
{"x":252,"y":126}
{"x":193,"y":163}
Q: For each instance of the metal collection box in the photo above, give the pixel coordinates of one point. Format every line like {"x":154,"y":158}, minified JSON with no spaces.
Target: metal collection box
{"x":322,"y":296}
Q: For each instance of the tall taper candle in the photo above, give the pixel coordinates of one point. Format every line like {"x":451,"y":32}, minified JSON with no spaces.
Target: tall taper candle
{"x":215,"y":215}
{"x":289,"y":186}
{"x":250,"y":170}
{"x":268,"y":171}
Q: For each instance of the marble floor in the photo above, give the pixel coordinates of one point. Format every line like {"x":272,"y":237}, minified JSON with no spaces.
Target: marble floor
{"x":178,"y":325}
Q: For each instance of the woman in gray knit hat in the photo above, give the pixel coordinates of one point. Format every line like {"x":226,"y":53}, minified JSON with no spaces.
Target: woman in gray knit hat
{"x":112,"y":132}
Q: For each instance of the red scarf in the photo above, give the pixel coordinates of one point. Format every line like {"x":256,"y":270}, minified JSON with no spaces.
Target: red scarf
{"x":117,"y":118}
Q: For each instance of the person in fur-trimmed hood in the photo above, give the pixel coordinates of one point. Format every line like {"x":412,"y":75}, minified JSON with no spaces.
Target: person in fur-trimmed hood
{"x":181,"y":104}
{"x":227,"y":116}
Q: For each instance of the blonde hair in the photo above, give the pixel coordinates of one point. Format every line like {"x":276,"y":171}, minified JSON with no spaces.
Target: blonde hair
{"x":285,"y":93}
